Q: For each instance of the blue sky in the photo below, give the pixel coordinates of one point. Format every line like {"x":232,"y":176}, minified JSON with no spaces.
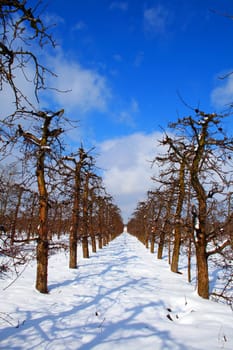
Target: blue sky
{"x":129,"y":61}
{"x":125,"y":64}
{"x":146,"y":52}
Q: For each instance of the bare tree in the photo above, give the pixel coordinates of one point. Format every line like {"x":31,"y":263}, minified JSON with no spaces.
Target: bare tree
{"x":165,"y":228}
{"x":77,"y":170}
{"x":74,"y":173}
{"x":201,"y":145}
{"x":172,"y":175}
{"x":177,"y":217}
{"x":42,"y":145}
{"x":85,"y":214}
{"x":22,"y":32}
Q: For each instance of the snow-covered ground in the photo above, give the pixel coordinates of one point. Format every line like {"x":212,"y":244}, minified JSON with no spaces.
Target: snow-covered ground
{"x":120,"y":298}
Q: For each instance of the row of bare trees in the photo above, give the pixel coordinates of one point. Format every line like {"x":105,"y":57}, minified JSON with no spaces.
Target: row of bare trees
{"x":49,"y":191}
{"x":192,"y":206}
{"x":70,"y":207}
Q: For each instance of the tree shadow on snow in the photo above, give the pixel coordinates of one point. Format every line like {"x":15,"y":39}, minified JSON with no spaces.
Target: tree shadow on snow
{"x":98,"y":326}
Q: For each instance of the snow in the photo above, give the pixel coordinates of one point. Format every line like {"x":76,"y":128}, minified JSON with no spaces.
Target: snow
{"x":121,"y":298}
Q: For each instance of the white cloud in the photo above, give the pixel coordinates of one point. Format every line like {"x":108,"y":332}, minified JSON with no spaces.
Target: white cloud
{"x":24,"y":83}
{"x":117,"y":57}
{"x":156,"y":19}
{"x":134,"y":106}
{"x":76,"y":88}
{"x":223,"y":95}
{"x":139,"y":59}
{"x":119,"y":5}
{"x":52,"y":19}
{"x":127,"y":168}
{"x":126,"y":116}
{"x":86,"y":89}
{"x":6,"y":102}
{"x":81,"y":25}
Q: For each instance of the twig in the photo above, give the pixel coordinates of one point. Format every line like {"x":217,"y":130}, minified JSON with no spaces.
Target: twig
{"x":10,"y":284}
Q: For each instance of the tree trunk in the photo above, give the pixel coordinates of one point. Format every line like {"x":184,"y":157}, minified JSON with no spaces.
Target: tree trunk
{"x":14,"y":221}
{"x":85,"y":247}
{"x":100,"y":241}
{"x":152,"y":243}
{"x":165,"y":226}
{"x":85,"y":218}
{"x":42,"y":266}
{"x":105,"y":239}
{"x":30,"y":228}
{"x":189,"y":259}
{"x":177,"y":240}
{"x":75,"y":218}
{"x":73,"y":250}
{"x":200,"y":239}
{"x":176,"y":250}
{"x":169,"y":248}
{"x":202,"y":272}
{"x":92,"y":230}
{"x":42,"y":244}
{"x":161,"y":245}
{"x":93,"y":243}
{"x":100,"y":225}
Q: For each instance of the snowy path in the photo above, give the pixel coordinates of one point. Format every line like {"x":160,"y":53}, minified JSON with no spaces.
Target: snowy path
{"x":118,"y":299}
